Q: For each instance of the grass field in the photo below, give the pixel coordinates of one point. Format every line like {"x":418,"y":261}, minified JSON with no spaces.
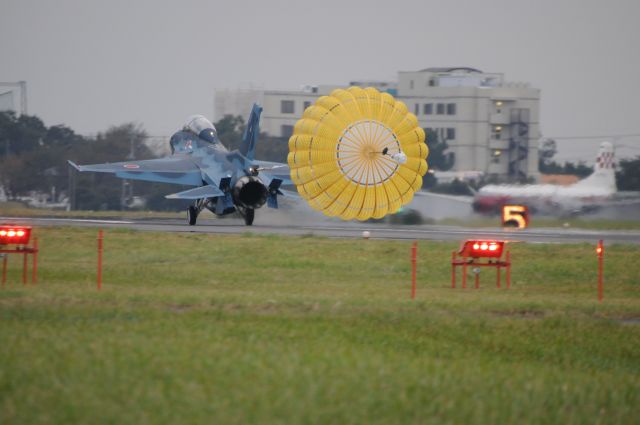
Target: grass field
{"x":193,"y":328}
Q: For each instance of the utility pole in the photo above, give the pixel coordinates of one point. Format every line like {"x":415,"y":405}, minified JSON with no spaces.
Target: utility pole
{"x":127,"y":187}
{"x":72,"y":188}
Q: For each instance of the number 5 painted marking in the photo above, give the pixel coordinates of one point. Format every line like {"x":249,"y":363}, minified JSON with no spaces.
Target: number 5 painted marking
{"x":515,"y":213}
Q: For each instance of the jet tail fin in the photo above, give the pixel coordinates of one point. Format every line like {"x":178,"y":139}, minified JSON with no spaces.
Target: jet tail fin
{"x":251,"y":133}
{"x":604,"y":175}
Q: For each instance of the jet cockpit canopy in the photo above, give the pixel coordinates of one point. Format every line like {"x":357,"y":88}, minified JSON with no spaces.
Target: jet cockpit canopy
{"x":201,"y":127}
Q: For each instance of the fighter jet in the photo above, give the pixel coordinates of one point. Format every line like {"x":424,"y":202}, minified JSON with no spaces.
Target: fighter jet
{"x":223,"y":182}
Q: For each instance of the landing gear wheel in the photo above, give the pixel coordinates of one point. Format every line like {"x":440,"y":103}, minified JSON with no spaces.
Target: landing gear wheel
{"x":249,"y":214}
{"x":192,"y":215}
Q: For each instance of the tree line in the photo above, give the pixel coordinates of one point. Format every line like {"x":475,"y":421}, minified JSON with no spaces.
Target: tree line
{"x":33,"y":158}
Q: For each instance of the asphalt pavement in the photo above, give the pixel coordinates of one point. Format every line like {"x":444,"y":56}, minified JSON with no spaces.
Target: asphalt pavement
{"x":304,"y":226}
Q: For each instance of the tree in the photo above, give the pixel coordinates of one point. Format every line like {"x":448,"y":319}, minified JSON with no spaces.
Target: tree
{"x":438,"y":159}
{"x":11,"y":166}
{"x":104,"y":191}
{"x":548,"y":149}
{"x":628,"y":178}
{"x":20,"y":134}
{"x":546,"y":164}
{"x":269,"y":148}
{"x":230,"y":129}
{"x":456,"y":187}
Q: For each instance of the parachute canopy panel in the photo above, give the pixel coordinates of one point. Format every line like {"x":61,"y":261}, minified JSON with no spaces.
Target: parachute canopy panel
{"x":357,"y":154}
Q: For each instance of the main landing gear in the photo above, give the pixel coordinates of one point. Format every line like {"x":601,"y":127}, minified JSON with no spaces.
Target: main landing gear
{"x":192,"y":215}
{"x":194,"y":210}
{"x":248,"y":214}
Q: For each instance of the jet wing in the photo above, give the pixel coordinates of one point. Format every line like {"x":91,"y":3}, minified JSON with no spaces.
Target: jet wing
{"x":177,"y":170}
{"x":197,"y":193}
{"x":275,"y":170}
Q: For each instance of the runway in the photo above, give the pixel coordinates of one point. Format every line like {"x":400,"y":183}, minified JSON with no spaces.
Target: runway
{"x":338,"y":229}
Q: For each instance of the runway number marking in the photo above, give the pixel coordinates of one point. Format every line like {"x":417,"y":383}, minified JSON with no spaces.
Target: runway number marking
{"x":515,"y":216}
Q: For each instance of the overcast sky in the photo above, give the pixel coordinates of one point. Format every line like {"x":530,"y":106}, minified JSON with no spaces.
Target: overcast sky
{"x":91,"y":64}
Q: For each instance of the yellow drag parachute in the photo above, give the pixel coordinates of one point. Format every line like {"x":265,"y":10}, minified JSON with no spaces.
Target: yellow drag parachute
{"x":357,"y":154}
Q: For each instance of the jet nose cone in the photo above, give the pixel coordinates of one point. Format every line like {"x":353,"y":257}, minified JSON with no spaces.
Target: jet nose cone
{"x":208,"y":134}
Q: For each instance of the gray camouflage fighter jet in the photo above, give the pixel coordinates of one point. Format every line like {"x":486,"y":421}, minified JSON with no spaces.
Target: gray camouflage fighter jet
{"x":223,"y":181}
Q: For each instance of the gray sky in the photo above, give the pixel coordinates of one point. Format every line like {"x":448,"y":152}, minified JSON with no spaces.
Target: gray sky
{"x":91,"y":64}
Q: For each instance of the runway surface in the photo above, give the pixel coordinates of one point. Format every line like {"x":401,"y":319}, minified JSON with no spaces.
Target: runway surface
{"x":338,"y":229}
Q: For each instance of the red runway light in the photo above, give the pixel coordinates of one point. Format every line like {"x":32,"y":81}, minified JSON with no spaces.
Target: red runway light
{"x":14,"y":235}
{"x":480,"y":249}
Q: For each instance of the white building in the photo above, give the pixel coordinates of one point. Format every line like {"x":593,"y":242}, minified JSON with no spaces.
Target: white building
{"x":490,"y":125}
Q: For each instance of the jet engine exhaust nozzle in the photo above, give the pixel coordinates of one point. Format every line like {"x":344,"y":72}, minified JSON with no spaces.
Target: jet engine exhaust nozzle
{"x":249,"y":192}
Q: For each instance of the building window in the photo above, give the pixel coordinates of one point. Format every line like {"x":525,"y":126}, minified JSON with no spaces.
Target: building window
{"x":286,"y":130}
{"x":286,"y":106}
{"x":496,"y":132}
{"x":440,"y":109}
{"x":431,"y":82}
{"x":495,"y":156}
{"x":451,"y":108}
{"x":306,"y":105}
{"x":416,"y":109}
{"x":428,"y":108}
{"x":451,"y":133}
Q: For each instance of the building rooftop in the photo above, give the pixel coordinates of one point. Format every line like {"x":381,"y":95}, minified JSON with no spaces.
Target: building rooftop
{"x":450,"y":69}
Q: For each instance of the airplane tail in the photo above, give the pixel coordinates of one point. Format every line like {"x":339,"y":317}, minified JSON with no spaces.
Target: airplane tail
{"x":604,"y":176}
{"x":250,"y":136}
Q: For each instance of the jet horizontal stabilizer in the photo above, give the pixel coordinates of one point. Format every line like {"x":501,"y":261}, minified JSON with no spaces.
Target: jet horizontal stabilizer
{"x":197,"y":193}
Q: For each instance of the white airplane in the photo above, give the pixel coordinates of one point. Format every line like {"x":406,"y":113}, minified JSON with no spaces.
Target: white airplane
{"x":590,"y":194}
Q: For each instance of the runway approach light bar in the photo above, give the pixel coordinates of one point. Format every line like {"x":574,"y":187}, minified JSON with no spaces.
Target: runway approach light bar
{"x":14,"y":235}
{"x":482,"y":249}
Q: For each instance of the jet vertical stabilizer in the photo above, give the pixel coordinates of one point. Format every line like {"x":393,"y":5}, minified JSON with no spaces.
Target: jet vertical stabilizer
{"x":251,"y":133}
{"x":603,"y":178}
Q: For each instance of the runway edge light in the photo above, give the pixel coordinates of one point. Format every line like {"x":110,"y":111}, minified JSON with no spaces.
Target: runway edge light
{"x":470,"y":254}
{"x":15,"y":235}
{"x":482,"y":248}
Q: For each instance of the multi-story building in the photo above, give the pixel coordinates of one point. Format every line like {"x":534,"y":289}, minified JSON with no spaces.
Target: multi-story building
{"x":490,"y":125}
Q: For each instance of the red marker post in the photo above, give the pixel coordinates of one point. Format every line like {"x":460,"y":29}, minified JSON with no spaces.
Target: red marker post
{"x":99,"y":260}
{"x":600,"y":252}
{"x":414,"y":256}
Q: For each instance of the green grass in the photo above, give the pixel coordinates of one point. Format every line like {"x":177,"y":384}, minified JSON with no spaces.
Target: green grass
{"x":193,"y":328}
